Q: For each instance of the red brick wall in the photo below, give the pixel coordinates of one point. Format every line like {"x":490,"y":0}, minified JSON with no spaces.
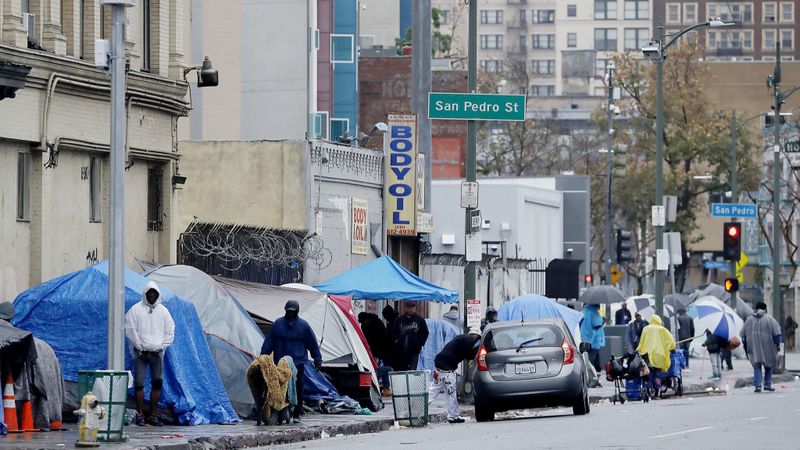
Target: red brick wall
{"x":385,"y":88}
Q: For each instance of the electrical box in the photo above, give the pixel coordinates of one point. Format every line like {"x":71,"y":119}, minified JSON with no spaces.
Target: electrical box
{"x":102,"y":49}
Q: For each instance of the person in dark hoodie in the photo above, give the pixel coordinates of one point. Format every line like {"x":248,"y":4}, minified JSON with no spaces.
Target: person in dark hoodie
{"x":374,"y":332}
{"x":452,"y":317}
{"x":292,"y":336}
{"x":460,"y":348}
{"x":408,"y":335}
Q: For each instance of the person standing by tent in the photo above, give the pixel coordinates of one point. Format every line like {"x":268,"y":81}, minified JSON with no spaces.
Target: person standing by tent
{"x":408,"y":335}
{"x":374,"y":332}
{"x":761,"y":337}
{"x":592,"y":331}
{"x":623,"y":316}
{"x":460,"y":348}
{"x":635,"y":330}
{"x":685,"y":332}
{"x":453,"y":318}
{"x":292,"y":336}
{"x":150,"y":328}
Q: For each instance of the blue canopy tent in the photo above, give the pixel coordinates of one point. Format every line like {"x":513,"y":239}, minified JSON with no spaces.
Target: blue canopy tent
{"x":71,"y":314}
{"x":384,"y":279}
{"x":533,"y":306}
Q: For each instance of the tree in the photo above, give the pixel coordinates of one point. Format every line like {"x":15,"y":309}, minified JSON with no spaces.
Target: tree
{"x":442,"y":42}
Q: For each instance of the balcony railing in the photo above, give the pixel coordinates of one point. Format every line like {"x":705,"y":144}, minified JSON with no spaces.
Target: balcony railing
{"x":517,"y":51}
{"x":519,"y":24}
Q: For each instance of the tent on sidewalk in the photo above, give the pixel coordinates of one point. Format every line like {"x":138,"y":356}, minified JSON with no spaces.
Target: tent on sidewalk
{"x":384,"y":279}
{"x":233,"y":338}
{"x":534,"y":306}
{"x":341,"y":342}
{"x":71,"y":314}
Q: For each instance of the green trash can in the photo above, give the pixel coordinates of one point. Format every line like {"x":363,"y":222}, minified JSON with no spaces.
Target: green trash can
{"x":410,"y":397}
{"x":111,"y":389}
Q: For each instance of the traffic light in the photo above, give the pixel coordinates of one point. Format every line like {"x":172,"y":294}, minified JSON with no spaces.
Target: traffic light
{"x":624,"y":246}
{"x":731,"y":285}
{"x":587,"y":279}
{"x":732,"y":241}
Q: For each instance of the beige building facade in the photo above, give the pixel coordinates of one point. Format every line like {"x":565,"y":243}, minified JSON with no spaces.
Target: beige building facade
{"x":54,"y":136}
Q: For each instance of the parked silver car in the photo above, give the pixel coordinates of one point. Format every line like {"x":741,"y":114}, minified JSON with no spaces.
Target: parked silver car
{"x":529,"y":364}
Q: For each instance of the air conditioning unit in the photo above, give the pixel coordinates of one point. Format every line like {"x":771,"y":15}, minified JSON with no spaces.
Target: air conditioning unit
{"x":29,"y":23}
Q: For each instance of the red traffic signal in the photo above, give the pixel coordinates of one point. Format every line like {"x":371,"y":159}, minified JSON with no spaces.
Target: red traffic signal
{"x":587,"y":279}
{"x":732,"y":241}
{"x":731,"y":285}
{"x":733,"y":232}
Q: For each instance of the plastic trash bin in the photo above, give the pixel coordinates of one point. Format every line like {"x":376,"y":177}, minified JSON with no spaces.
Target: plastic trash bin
{"x":111,"y":389}
{"x":410,"y":397}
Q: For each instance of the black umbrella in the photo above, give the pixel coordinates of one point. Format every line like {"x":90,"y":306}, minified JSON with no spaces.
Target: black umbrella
{"x":601,"y":295}
{"x":677,"y":301}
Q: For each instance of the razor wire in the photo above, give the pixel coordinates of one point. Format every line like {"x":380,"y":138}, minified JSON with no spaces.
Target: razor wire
{"x":235,"y":246}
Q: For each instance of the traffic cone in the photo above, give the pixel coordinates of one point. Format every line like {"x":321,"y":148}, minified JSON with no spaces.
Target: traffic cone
{"x":10,"y":407}
{"x":27,"y":417}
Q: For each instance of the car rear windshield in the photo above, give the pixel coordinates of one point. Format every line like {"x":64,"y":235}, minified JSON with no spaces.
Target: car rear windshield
{"x":510,"y":338}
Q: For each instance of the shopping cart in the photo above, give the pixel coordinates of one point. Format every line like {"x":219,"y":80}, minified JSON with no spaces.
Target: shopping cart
{"x":629,"y":374}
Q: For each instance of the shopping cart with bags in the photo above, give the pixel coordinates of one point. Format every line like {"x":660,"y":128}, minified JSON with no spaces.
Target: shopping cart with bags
{"x":630,"y":376}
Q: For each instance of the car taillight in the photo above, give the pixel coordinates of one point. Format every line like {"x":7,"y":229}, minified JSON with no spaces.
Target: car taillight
{"x":482,"y":359}
{"x":569,"y":352}
{"x":365,"y":379}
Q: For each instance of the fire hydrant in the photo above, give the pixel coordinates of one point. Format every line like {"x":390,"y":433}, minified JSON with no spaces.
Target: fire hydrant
{"x":90,"y":413}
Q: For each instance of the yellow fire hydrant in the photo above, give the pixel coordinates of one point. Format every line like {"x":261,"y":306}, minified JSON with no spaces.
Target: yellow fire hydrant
{"x":90,"y":413}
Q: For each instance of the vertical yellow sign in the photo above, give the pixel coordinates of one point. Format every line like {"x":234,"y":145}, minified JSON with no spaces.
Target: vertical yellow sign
{"x":360,"y":238}
{"x":400,"y":201}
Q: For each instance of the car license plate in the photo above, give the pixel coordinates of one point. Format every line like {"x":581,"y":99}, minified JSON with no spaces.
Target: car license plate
{"x":525,"y":369}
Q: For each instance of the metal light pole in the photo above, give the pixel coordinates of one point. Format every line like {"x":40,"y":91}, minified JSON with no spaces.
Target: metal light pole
{"x":609,"y":145}
{"x":734,"y":191}
{"x":472,"y":53}
{"x":777,"y":300}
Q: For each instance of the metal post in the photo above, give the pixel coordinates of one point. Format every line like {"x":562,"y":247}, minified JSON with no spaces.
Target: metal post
{"x":472,"y":53}
{"x":734,"y":192}
{"x":116,"y":269}
{"x":421,"y":85}
{"x":777,"y":301}
{"x":659,"y":293}
{"x":609,"y":145}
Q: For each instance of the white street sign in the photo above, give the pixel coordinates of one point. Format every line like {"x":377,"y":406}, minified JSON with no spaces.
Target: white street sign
{"x":474,"y":249}
{"x":659,"y":216}
{"x":469,"y":194}
{"x":662,"y":259}
{"x":474,"y":313}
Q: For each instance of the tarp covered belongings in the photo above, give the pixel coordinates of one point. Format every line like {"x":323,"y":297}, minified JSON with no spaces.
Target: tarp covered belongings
{"x":71,"y":314}
{"x":384,"y":279}
{"x":233,"y":338}
{"x":533,"y":306}
{"x":439,"y":334}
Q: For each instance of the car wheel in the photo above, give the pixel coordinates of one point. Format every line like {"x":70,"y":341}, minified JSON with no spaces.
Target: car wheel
{"x":581,"y":405}
{"x":483,"y":413}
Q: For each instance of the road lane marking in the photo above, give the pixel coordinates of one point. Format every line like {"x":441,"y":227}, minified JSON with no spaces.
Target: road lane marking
{"x":677,"y":433}
{"x":756,"y":418}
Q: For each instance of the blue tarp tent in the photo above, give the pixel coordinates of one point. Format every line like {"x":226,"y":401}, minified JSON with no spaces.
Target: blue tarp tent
{"x":533,"y":306}
{"x":440,"y":333}
{"x":71,"y":312}
{"x":384,"y":279}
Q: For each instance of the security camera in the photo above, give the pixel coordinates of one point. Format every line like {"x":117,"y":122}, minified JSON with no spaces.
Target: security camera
{"x":652,"y":51}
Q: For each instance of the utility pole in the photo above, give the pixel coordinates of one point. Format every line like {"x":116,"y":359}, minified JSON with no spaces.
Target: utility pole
{"x":777,"y":300}
{"x":609,"y":145}
{"x":421,"y":85}
{"x":659,"y":200}
{"x":472,"y":54}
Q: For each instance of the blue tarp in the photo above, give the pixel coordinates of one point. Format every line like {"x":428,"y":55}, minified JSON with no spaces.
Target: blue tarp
{"x":384,"y":279}
{"x":532,"y":306}
{"x":71,"y":312}
{"x":440,"y":333}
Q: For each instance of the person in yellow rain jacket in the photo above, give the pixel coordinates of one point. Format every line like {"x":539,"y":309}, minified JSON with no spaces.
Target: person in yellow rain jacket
{"x":656,"y":343}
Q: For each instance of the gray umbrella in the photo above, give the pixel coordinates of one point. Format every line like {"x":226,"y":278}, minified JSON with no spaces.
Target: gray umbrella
{"x":677,"y":301}
{"x":601,"y":295}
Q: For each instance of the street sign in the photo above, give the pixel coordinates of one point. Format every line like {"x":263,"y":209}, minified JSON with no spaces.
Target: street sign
{"x":616,"y":275}
{"x":659,"y":214}
{"x":463,"y":106}
{"x":474,"y":248}
{"x":469,"y":194}
{"x":673,"y":242}
{"x":475,"y":221}
{"x":792,"y":147}
{"x":739,"y":266}
{"x":474,"y":314}
{"x":733,"y":210}
{"x":716,"y":265}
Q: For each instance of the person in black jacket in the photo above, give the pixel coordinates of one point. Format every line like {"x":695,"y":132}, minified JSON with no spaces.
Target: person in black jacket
{"x":408,"y":335}
{"x":623,"y":316}
{"x":460,"y":348}
{"x":374,"y":332}
{"x":715,"y":344}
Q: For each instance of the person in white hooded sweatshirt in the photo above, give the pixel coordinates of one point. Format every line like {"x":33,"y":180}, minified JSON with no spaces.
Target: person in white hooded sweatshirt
{"x":150,"y":329}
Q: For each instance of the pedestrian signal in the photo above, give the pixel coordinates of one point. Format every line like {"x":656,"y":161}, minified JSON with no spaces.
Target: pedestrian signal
{"x":731,"y":285}
{"x":624,"y":246}
{"x":732,"y":241}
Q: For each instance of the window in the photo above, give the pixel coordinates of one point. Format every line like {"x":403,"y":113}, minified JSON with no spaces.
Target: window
{"x":605,"y":39}
{"x":155,"y":207}
{"x":491,"y":16}
{"x":445,"y":16}
{"x":690,"y":13}
{"x":320,"y":119}
{"x":23,"y":186}
{"x":787,"y":39}
{"x":747,"y":40}
{"x":522,"y":18}
{"x":491,"y":41}
{"x":732,"y":12}
{"x":601,"y":67}
{"x":342,"y":48}
{"x":572,"y":40}
{"x":572,"y":10}
{"x":637,"y":9}
{"x":522,"y":42}
{"x":605,"y":9}
{"x":544,"y":66}
{"x":787,"y":12}
{"x":544,"y":41}
{"x":543,"y":16}
{"x":146,"y":47}
{"x":770,"y":15}
{"x":636,"y":38}
{"x":769,"y":39}
{"x":339,"y":127}
{"x":673,"y":12}
{"x":491,"y":65}
{"x":95,"y":189}
{"x":542,"y":91}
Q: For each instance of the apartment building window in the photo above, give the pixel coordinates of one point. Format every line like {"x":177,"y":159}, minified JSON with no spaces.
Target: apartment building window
{"x":339,"y":127}
{"x":690,"y":13}
{"x":95,"y":189}
{"x":769,"y":39}
{"x":542,"y":91}
{"x":523,"y":16}
{"x":601,"y":67}
{"x":155,"y":207}
{"x":544,"y":66}
{"x":605,"y":39}
{"x":491,"y":41}
{"x":572,"y":10}
{"x":342,"y":49}
{"x":491,"y":65}
{"x":787,"y":39}
{"x":522,"y":42}
{"x":637,"y":9}
{"x":572,"y":40}
{"x":636,"y":38}
{"x":673,"y":12}
{"x":544,"y":41}
{"x":787,"y":12}
{"x":770,"y":15}
{"x":491,"y":16}
{"x":23,"y":186}
{"x":146,"y":48}
{"x":543,"y":16}
{"x":605,"y":9}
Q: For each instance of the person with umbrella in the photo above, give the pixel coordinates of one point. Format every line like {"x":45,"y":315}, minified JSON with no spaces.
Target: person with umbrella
{"x":592,"y":332}
{"x":761,"y":337}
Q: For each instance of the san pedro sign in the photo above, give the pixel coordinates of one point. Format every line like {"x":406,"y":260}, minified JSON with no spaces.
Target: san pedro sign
{"x":462,"y":106}
{"x":400,"y":202}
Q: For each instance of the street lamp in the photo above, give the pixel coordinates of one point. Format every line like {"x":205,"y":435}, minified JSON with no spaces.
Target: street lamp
{"x":656,"y":51}
{"x":610,"y":110}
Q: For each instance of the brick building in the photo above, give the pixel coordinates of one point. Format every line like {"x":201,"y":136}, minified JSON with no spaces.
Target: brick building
{"x":385,"y":88}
